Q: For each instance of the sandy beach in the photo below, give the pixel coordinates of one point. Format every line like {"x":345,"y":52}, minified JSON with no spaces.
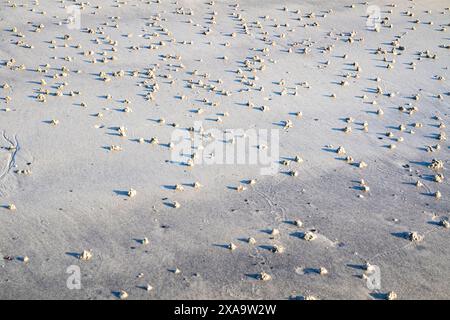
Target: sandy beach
{"x":108,"y":189}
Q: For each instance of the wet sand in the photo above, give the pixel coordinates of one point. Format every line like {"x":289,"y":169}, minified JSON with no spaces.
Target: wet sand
{"x":88,"y":179}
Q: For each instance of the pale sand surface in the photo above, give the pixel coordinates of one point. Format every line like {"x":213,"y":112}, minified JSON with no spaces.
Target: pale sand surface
{"x":75,"y":197}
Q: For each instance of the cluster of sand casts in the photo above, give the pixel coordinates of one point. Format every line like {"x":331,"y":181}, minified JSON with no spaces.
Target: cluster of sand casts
{"x":92,"y":91}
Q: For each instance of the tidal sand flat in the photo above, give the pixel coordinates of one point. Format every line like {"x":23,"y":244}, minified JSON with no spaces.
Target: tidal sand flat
{"x":201,"y":149}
